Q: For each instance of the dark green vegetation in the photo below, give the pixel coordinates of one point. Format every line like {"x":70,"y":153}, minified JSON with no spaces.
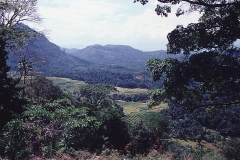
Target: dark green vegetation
{"x":119,"y":56}
{"x":207,"y":82}
{"x":54,"y":123}
{"x":12,"y":37}
{"x":39,"y":120}
{"x":9,"y":98}
{"x":50,"y":60}
{"x":210,"y":77}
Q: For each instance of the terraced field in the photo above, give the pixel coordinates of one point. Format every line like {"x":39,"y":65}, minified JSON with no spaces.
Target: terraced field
{"x":194,"y":144}
{"x":136,"y":107}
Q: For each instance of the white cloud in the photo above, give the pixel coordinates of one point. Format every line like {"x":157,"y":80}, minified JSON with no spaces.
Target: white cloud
{"x":103,"y":22}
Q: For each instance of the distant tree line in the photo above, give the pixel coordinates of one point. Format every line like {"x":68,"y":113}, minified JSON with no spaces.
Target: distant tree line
{"x":120,"y":78}
{"x":141,"y":97}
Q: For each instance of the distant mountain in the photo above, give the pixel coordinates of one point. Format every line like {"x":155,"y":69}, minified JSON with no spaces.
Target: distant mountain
{"x":120,"y":55}
{"x":46,"y":57}
{"x":118,"y":65}
{"x":70,"y":50}
{"x":50,"y":59}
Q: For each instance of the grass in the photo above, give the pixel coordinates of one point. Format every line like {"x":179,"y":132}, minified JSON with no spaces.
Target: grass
{"x":194,"y":144}
{"x":66,"y":84}
{"x":132,"y":105}
{"x":186,"y":143}
{"x":137,"y":107}
{"x":69,"y":86}
{"x":131,"y":91}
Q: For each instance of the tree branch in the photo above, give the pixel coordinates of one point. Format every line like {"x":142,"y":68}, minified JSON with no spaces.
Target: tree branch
{"x":210,"y":5}
{"x":220,"y":104}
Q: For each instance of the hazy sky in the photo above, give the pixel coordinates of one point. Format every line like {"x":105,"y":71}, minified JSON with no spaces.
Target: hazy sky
{"x":79,"y":23}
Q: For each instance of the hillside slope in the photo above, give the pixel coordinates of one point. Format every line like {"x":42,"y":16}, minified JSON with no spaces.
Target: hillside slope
{"x":46,"y":56}
{"x":120,"y":55}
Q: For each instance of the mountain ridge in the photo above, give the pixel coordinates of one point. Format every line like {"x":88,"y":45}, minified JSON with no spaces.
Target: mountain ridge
{"x":121,"y":55}
{"x":46,"y":56}
{"x":55,"y":58}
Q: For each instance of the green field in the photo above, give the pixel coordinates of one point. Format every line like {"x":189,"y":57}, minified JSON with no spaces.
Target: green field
{"x":69,"y":86}
{"x":131,"y":90}
{"x":137,"y":107}
{"x":194,"y":144}
{"x":65,"y":84}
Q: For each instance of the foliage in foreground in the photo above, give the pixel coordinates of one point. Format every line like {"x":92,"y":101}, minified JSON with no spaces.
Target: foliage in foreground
{"x":209,"y":76}
{"x":94,"y":122}
{"x":58,"y":126}
{"x":44,"y":129}
{"x":50,"y":128}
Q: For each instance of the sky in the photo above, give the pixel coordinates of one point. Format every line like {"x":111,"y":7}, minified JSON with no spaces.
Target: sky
{"x":80,"y":23}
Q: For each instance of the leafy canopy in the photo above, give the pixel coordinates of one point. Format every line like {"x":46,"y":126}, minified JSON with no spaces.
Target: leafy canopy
{"x":211,"y":77}
{"x":13,"y":14}
{"x":217,"y":29}
{"x":50,"y":127}
{"x":97,"y":96}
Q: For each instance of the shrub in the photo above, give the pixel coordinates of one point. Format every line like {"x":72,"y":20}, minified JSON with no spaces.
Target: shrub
{"x":146,"y":133}
{"x":47,"y":128}
{"x":231,"y":149}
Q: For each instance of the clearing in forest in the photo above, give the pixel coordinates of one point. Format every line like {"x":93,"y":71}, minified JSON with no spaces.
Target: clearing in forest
{"x":65,"y":84}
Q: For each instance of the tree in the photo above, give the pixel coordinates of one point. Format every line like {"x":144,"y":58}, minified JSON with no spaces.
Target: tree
{"x":113,"y":131}
{"x":211,"y":76}
{"x":146,"y":132}
{"x":9,"y":99}
{"x":27,"y":59}
{"x":97,"y":96}
{"x":46,"y":128}
{"x":40,"y":89}
{"x":13,"y":35}
{"x":14,"y":12}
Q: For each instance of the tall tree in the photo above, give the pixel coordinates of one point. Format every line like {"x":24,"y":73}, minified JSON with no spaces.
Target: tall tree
{"x":97,"y":96}
{"x":210,"y":77}
{"x":13,"y":35}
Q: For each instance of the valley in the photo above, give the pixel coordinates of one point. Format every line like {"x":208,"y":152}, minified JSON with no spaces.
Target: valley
{"x":86,"y":73}
{"x":119,"y":65}
{"x":114,"y":101}
{"x":134,"y":110}
{"x":70,"y":86}
{"x":124,"y":68}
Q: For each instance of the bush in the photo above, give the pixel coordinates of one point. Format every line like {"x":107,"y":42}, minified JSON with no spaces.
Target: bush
{"x":146,"y":133}
{"x":14,"y":140}
{"x":47,"y":128}
{"x":113,"y":128}
{"x":231,"y":149}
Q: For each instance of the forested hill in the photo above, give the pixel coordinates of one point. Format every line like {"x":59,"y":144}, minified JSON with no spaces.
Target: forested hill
{"x":120,"y":55}
{"x":118,"y":65}
{"x":46,"y":56}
